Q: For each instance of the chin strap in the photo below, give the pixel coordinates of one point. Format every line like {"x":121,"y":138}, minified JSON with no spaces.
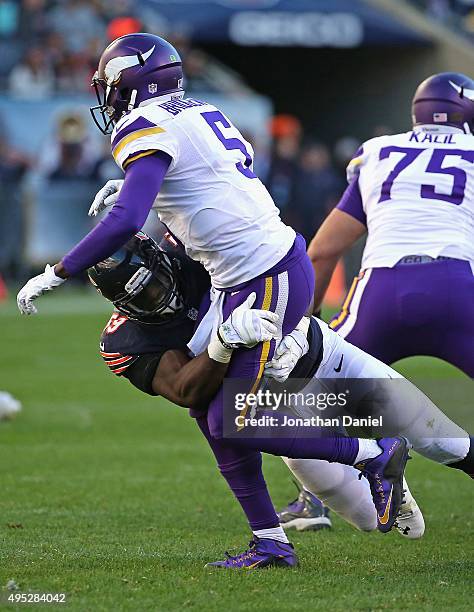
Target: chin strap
{"x":133,"y":97}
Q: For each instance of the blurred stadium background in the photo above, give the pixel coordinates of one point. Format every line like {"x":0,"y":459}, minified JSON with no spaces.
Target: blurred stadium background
{"x":87,"y":479}
{"x":305,"y":80}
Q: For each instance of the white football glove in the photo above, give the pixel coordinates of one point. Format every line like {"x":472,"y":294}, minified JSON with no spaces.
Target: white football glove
{"x":245,"y":327}
{"x":105,"y":197}
{"x":35,"y":287}
{"x":290,"y":350}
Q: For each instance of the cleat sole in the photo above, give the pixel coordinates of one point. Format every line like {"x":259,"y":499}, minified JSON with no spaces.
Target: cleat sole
{"x":395,"y":474}
{"x":308,"y":524}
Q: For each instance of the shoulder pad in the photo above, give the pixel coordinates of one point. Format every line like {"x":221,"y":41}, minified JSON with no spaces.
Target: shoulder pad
{"x":353,"y":167}
{"x":141,"y":133}
{"x":113,"y":345}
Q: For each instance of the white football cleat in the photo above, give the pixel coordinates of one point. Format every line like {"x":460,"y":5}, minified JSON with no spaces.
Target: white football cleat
{"x":410,"y":522}
{"x":9,"y":406}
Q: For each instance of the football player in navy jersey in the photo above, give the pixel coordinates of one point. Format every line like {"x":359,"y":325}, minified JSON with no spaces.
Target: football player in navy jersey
{"x":158,"y":294}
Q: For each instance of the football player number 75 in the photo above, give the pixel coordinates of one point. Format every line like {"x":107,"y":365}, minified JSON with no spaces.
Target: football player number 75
{"x":213,"y":119}
{"x":435,"y":166}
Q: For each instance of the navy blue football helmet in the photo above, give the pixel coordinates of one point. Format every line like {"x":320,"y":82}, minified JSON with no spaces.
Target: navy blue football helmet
{"x":142,"y":280}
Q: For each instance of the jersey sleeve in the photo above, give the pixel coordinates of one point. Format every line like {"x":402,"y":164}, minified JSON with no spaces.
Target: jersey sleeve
{"x":118,"y":363}
{"x":129,"y":353}
{"x":139,"y":369}
{"x":351,"y":202}
{"x":140,"y":137}
{"x":354,"y":166}
{"x":115,"y":357}
{"x":142,"y":372}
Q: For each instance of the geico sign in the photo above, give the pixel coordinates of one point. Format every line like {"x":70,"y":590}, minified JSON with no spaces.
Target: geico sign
{"x":304,"y":29}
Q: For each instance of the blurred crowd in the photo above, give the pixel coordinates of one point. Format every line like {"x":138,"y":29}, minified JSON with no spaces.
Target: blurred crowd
{"x":306,"y":177}
{"x":53,"y":46}
{"x":458,"y":14}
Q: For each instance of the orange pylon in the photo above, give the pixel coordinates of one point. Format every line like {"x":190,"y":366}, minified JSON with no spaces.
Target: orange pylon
{"x":3,"y":290}
{"x":337,"y":287}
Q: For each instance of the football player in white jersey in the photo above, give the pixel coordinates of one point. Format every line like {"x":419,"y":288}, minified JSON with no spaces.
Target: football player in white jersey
{"x":412,"y":194}
{"x":184,"y":158}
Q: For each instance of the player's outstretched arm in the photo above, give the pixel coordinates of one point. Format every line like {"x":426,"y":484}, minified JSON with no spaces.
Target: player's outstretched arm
{"x":194,"y":382}
{"x":336,"y":235}
{"x":143,"y":180}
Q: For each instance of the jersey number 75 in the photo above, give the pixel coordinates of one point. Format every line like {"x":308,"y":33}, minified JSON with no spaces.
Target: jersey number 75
{"x":435,"y":166}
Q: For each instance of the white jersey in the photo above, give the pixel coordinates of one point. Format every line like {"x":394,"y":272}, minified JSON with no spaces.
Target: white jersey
{"x":417,"y":192}
{"x":210,"y":198}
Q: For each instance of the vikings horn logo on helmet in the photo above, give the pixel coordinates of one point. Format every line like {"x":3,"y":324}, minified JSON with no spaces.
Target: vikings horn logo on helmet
{"x":468,"y":93}
{"x":127,"y":73}
{"x":116,"y":65}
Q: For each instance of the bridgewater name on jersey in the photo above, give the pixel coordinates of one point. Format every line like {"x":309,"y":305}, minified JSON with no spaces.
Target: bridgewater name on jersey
{"x":417,"y":194}
{"x":210,"y":199}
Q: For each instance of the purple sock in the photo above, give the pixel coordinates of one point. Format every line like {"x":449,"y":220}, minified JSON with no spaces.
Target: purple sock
{"x":242,"y":470}
{"x":337,"y":449}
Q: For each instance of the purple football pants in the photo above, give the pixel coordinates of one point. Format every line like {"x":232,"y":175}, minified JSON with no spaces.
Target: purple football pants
{"x":288,"y":290}
{"x":240,"y":463}
{"x":412,"y":309}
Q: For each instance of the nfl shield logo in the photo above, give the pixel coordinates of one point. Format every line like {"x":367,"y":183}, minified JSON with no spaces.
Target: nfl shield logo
{"x":152,"y":88}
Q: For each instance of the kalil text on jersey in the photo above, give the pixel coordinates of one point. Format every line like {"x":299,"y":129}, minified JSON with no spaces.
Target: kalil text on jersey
{"x":436,"y":138}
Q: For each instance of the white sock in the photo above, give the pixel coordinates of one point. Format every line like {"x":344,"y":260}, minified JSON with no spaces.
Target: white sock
{"x":368,"y":449}
{"x":276,"y":533}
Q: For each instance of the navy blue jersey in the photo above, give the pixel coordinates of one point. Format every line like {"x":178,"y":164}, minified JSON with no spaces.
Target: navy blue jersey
{"x":134,"y":349}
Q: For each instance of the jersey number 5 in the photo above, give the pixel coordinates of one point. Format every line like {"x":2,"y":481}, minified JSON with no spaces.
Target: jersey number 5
{"x":435,"y":166}
{"x":231,"y":144}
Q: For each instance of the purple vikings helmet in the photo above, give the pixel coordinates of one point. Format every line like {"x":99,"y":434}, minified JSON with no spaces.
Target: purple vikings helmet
{"x":445,"y":99}
{"x":134,"y":68}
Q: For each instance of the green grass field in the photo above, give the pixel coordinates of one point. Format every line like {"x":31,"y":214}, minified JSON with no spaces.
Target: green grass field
{"x":113,"y":498}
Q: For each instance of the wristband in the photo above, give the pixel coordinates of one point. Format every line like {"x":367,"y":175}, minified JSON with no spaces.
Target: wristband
{"x":218,"y":352}
{"x":225,"y":344}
